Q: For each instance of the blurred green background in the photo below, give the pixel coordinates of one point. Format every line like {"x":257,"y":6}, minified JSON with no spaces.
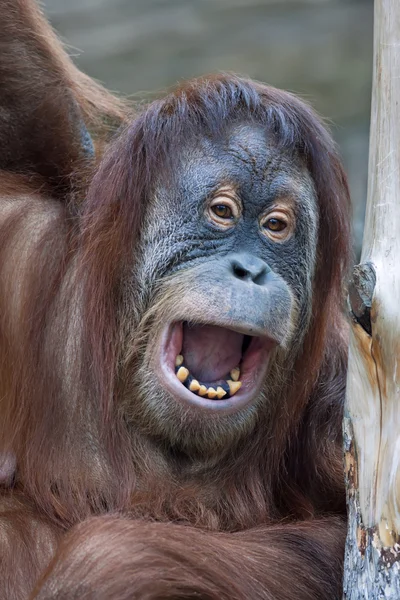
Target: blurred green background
{"x":320,"y":49}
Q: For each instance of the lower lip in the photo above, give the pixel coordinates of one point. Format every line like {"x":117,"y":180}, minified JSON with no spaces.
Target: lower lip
{"x":258,"y":353}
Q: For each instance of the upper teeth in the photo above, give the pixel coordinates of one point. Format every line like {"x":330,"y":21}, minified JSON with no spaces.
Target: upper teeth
{"x":231,"y":385}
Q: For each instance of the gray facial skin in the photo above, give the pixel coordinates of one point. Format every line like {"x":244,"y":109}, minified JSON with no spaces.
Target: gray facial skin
{"x":178,"y":236}
{"x":185,"y":265}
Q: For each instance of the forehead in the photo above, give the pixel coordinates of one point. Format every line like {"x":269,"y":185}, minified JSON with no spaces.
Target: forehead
{"x":246,"y":158}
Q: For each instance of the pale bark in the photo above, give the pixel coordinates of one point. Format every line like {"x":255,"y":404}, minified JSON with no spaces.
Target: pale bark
{"x":372,"y":416}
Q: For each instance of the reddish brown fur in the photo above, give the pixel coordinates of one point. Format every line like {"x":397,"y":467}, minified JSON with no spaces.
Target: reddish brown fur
{"x":76,"y":457}
{"x":135,"y":560}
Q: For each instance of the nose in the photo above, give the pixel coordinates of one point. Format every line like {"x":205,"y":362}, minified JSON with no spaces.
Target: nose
{"x":248,"y":267}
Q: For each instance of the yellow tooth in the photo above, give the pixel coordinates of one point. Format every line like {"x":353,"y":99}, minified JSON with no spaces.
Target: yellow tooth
{"x":235,"y":374}
{"x":182,"y":374}
{"x":202,"y":390}
{"x":220,"y":392}
{"x":211,"y":393}
{"x":179,"y":360}
{"x":234,"y":386}
{"x":194,"y":386}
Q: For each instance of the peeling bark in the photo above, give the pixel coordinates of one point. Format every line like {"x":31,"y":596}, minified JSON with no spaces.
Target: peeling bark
{"x":372,"y":414}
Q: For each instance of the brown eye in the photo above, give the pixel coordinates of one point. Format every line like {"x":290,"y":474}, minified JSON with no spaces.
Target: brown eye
{"x":279,"y":224}
{"x":222,"y":211}
{"x":275,"y":225}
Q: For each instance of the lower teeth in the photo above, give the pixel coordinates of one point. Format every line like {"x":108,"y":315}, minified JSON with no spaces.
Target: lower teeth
{"x":226,"y":389}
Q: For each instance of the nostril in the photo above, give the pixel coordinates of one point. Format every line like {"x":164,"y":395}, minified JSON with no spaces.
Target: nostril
{"x":249,"y":268}
{"x":261,"y":277}
{"x":240,"y":272}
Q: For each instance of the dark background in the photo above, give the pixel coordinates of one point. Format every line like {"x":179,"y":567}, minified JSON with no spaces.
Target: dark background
{"x":320,"y":49}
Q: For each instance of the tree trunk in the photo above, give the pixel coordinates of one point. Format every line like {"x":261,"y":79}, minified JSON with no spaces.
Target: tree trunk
{"x":372,"y":415}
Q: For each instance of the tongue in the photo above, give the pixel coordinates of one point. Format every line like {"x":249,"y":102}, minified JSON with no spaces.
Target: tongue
{"x":210,"y":353}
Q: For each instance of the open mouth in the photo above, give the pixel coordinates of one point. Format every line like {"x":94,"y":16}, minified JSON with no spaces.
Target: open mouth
{"x":213,"y":367}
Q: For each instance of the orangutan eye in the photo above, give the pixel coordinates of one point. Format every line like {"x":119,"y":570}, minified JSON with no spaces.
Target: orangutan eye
{"x":223,"y":211}
{"x":278,"y":225}
{"x":275,"y":225}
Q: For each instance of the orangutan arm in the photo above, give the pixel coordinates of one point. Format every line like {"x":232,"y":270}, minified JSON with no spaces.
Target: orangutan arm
{"x":27,"y":543}
{"x":116,"y":558}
